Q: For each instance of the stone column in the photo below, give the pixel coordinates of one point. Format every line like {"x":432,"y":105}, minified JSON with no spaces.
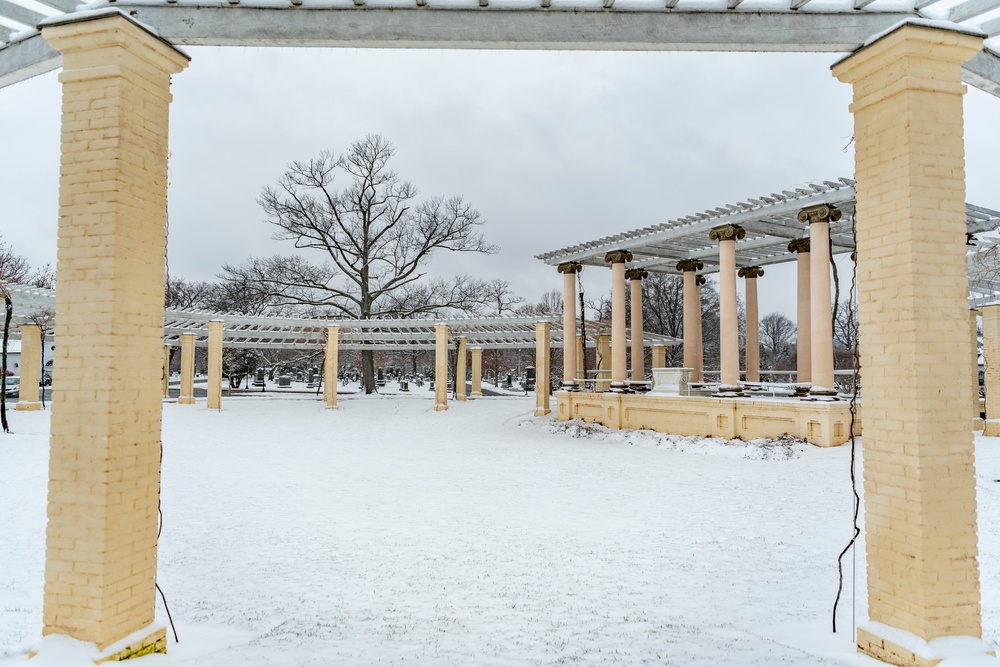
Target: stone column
{"x":214,"y":401}
{"x":441,"y":367}
{"x":31,"y":361}
{"x":460,"y":370}
{"x":750,"y":274}
{"x":100,"y":565}
{"x":619,"y":354}
{"x":635,"y":276}
{"x":477,"y":372}
{"x":692,"y":316}
{"x":698,"y":372}
{"x":803,"y":333}
{"x":186,"y":396}
{"x":166,"y":371}
{"x":977,"y":420}
{"x":570,"y":367}
{"x":330,"y":367}
{"x":603,"y":344}
{"x":659,"y":356}
{"x":542,"y":354}
{"x":991,"y":376}
{"x":729,"y":329}
{"x":919,"y":472}
{"x":821,"y":308}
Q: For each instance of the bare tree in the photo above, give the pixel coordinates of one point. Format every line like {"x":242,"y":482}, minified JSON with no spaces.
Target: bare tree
{"x":373,"y":236}
{"x":499,"y":298}
{"x":777,"y":340}
{"x":551,"y":302}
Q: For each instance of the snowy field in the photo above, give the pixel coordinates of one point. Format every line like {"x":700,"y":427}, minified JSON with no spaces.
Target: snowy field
{"x":386,"y":533}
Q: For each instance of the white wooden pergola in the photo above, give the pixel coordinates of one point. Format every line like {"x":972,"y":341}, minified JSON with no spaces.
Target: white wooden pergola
{"x":771,"y":222}
{"x":832,"y":26}
{"x":242,"y":331}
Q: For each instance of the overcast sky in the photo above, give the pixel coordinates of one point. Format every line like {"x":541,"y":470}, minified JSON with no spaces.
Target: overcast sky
{"x":553,"y":148}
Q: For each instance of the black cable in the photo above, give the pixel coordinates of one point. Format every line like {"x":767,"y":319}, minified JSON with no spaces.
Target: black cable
{"x":159,"y":529}
{"x":854,"y":403}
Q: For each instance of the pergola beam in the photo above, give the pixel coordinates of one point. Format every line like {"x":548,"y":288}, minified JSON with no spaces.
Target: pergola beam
{"x":971,"y":9}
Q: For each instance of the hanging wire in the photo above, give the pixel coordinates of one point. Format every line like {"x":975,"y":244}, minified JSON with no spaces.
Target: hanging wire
{"x":583,"y":326}
{"x":854,"y":410}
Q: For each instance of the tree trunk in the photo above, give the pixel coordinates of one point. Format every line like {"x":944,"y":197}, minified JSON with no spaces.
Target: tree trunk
{"x":368,"y":371}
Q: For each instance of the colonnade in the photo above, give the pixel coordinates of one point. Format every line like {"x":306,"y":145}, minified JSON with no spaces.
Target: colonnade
{"x":214,"y":389}
{"x":815,"y":307}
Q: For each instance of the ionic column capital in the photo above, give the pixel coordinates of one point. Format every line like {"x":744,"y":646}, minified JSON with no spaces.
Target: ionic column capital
{"x":820,"y":213}
{"x":690,"y":265}
{"x":699,"y":280}
{"x":727,"y":233}
{"x":750,"y":272}
{"x":618,"y":257}
{"x":636,"y":274}
{"x":799,"y":245}
{"x":570,"y":267}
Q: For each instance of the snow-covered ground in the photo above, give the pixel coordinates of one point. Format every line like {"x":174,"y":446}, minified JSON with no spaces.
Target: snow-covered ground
{"x":386,"y":533}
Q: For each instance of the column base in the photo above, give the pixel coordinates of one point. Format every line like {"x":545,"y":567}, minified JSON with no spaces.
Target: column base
{"x":992,"y":427}
{"x":476,"y":394}
{"x":541,"y":412}
{"x":728,"y":391}
{"x":332,"y":407}
{"x":801,"y":388}
{"x":186,"y":400}
{"x":24,"y":405}
{"x":570,"y":386}
{"x":905,"y":649}
{"x":440,"y":407}
{"x":817,"y":393}
{"x":978,"y":423}
{"x":461,"y":397}
{"x":619,"y":388}
{"x":151,"y":639}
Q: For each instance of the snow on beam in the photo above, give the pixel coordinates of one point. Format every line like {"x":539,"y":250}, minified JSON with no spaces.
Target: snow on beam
{"x":983,"y":71}
{"x":20,"y":14}
{"x":970,"y":9}
{"x":27,"y":58}
{"x":67,"y":6}
{"x":991,"y":28}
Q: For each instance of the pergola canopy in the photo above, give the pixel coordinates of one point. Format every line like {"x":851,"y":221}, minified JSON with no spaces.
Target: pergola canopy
{"x":770,"y":222}
{"x":241,"y":331}
{"x":833,"y":26}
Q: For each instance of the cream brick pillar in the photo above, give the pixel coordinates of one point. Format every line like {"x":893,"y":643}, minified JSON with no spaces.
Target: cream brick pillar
{"x":635,"y":277}
{"x":803,"y":333}
{"x":750,"y":274}
{"x":166,"y":371}
{"x":31,"y":361}
{"x":214,"y":401}
{"x":919,"y":472}
{"x":603,"y":344}
{"x":821,"y":307}
{"x":698,"y":372}
{"x":692,"y":316}
{"x":542,"y":357}
{"x":460,"y":370}
{"x":477,"y":372}
{"x":570,"y":361}
{"x":659,"y":356}
{"x":619,"y":346}
{"x":729,"y":337}
{"x":100,"y":565}
{"x":186,"y":396}
{"x":330,"y":367}
{"x":977,"y":422}
{"x":991,"y":376}
{"x":441,"y":367}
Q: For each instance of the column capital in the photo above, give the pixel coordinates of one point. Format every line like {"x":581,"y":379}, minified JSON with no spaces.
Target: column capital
{"x":699,"y":280}
{"x":799,"y":245}
{"x":727,"y":233}
{"x":750,"y":272}
{"x":690,"y":265}
{"x":819,"y":213}
{"x":618,"y":257}
{"x":570,"y":267}
{"x":636,"y":274}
